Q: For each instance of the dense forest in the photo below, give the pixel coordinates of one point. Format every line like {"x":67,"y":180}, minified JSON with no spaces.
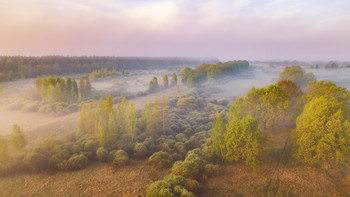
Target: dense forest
{"x":17,"y":67}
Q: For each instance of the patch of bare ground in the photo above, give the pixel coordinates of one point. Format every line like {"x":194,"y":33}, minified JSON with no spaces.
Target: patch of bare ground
{"x":97,"y":180}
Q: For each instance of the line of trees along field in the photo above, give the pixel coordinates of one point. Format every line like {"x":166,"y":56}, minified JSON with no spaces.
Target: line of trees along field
{"x":17,"y":67}
{"x":194,"y":77}
{"x":194,"y":136}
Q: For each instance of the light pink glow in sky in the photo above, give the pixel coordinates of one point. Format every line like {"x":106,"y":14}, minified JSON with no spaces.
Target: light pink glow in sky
{"x":226,"y":29}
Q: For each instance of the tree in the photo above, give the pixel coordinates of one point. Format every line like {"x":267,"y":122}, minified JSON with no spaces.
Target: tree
{"x":267,"y":104}
{"x":217,"y":135}
{"x":174,"y":79}
{"x":130,"y":120}
{"x":296,"y":74}
{"x":4,"y":152}
{"x":18,"y":139}
{"x":153,"y":84}
{"x":322,"y":134}
{"x":164,"y":110}
{"x":291,"y":89}
{"x":121,"y":114}
{"x":243,"y":140}
{"x":154,"y":119}
{"x":327,"y":89}
{"x":186,"y":72}
{"x":165,"y":81}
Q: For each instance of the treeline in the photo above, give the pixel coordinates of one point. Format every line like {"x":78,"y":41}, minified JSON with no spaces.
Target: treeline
{"x":16,"y":67}
{"x":154,"y":85}
{"x":54,"y":89}
{"x":193,"y":77}
{"x":102,"y":73}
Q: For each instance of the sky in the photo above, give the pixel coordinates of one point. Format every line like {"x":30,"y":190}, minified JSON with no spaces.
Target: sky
{"x":225,"y":29}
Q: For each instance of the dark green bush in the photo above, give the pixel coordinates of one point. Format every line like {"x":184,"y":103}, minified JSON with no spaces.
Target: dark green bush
{"x":102,"y":154}
{"x":192,"y":185}
{"x":140,"y":149}
{"x":160,"y":160}
{"x":211,"y":169}
{"x":121,"y":158}
{"x":74,"y":163}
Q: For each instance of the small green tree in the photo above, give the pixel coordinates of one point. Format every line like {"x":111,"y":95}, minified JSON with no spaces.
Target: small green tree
{"x":174,"y":79}
{"x":165,"y":81}
{"x":18,"y":139}
{"x":218,"y":134}
{"x":243,"y":139}
{"x":153,"y":84}
{"x":130,"y":120}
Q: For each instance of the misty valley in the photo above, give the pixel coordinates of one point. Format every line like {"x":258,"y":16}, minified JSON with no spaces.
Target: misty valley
{"x":108,"y":126}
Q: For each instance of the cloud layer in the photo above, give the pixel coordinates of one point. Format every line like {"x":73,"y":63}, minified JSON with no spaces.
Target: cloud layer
{"x":227,"y":29}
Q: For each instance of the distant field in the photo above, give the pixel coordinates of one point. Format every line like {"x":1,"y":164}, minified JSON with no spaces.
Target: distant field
{"x":96,"y":180}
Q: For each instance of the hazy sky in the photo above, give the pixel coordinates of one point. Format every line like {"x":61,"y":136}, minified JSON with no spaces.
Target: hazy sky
{"x":226,"y":29}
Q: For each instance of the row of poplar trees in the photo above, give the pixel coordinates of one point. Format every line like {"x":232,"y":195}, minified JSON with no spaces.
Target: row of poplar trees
{"x":108,"y":123}
{"x":54,"y":89}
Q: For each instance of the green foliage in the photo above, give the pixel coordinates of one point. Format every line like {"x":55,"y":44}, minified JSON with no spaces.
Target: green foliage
{"x":121,"y":158}
{"x":160,"y":160}
{"x":170,"y":186}
{"x":57,"y":89}
{"x":211,"y":169}
{"x":191,"y":167}
{"x":130,"y":121}
{"x":165,"y":81}
{"x":102,"y":154}
{"x":17,"y":139}
{"x":77,"y":162}
{"x":218,"y":134}
{"x":4,"y":152}
{"x":174,"y":79}
{"x":140,"y":149}
{"x":267,"y":104}
{"x":243,"y":139}
{"x":326,"y":89}
{"x":153,"y":85}
{"x":297,"y":75}
{"x":102,"y":73}
{"x":322,"y":133}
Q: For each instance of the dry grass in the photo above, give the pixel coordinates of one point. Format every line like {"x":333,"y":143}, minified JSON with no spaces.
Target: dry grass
{"x":97,"y":180}
{"x":239,"y":180}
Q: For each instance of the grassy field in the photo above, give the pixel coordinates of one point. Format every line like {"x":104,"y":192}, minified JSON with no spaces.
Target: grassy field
{"x":96,"y":180}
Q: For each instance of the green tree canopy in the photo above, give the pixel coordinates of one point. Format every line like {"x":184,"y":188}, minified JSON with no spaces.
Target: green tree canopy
{"x":18,"y":139}
{"x":322,"y":134}
{"x":243,"y":139}
{"x":296,"y":74}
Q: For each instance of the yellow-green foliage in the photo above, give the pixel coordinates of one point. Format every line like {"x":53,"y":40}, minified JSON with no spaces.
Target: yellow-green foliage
{"x":268,"y":105}
{"x":160,"y":160}
{"x":243,"y":139}
{"x":4,"y":153}
{"x":296,"y":74}
{"x":326,"y":89}
{"x":59,"y":90}
{"x":217,"y":135}
{"x":103,"y":73}
{"x":18,"y":139}
{"x":322,"y":134}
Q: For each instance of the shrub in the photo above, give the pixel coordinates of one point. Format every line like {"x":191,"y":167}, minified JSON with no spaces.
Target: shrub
{"x":140,"y":149}
{"x":160,"y":160}
{"x":171,"y":185}
{"x":192,"y":185}
{"x":211,"y":169}
{"x":30,"y":107}
{"x":77,"y":162}
{"x":181,"y":137}
{"x":121,"y":158}
{"x":36,"y":162}
{"x":102,"y":154}
{"x":186,"y":169}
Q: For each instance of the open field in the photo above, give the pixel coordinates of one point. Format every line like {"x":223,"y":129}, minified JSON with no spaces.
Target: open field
{"x":96,"y":180}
